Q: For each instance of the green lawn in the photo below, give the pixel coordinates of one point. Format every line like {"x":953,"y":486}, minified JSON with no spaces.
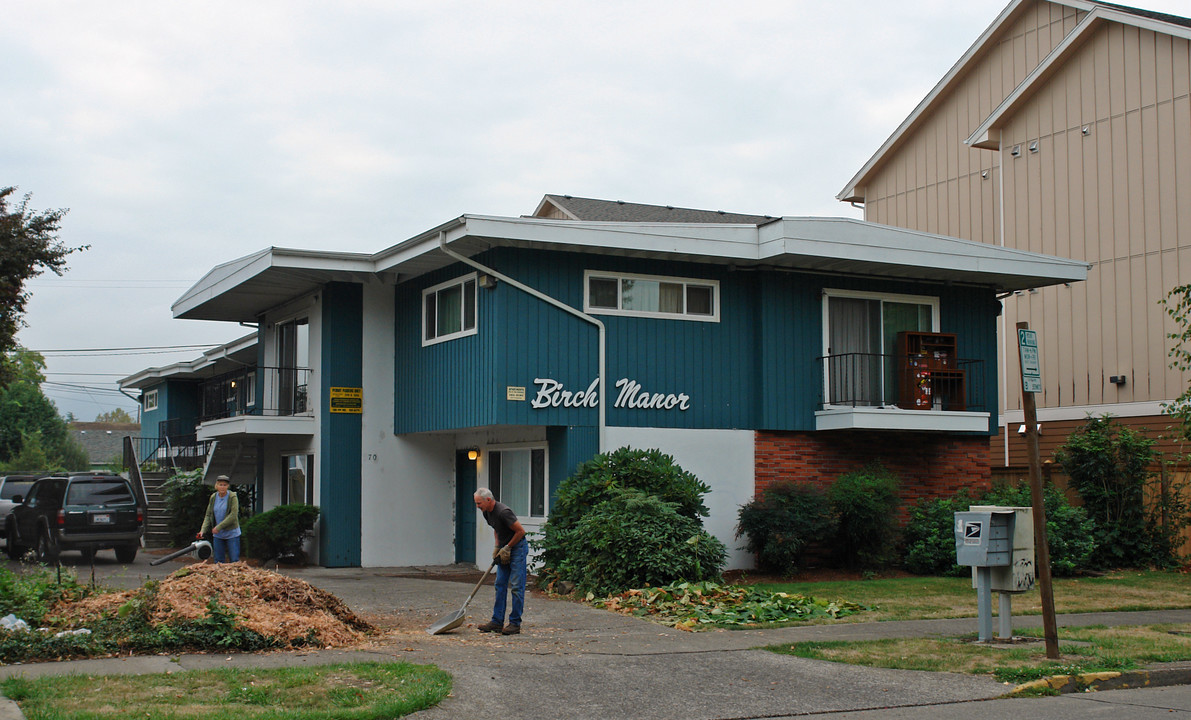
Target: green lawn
{"x":351,"y":691}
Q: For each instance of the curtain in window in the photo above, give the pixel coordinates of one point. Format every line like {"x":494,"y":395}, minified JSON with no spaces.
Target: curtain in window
{"x":514,"y":481}
{"x":670,"y":297}
{"x":450,"y":310}
{"x":854,"y":346}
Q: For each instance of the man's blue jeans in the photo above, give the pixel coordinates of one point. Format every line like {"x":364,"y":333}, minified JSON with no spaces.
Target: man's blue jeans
{"x":511,"y":577}
{"x":226,"y":550}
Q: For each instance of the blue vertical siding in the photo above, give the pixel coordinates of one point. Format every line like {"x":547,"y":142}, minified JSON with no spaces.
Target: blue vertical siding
{"x":756,"y":368}
{"x":340,"y":440}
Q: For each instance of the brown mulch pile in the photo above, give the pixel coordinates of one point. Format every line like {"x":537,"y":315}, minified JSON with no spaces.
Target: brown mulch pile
{"x":290,"y":610}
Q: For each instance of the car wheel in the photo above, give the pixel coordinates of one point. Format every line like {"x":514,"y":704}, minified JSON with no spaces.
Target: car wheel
{"x":47,"y":551}
{"x":126,"y":553}
{"x":12,"y":548}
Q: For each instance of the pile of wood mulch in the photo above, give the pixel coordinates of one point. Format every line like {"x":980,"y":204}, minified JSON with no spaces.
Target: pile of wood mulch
{"x":292,"y":611}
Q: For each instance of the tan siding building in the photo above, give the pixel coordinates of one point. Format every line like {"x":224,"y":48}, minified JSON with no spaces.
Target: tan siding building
{"x":1065,"y":129}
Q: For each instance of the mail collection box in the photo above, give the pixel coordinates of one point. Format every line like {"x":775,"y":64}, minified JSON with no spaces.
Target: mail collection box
{"x":984,"y":538}
{"x":1019,"y":575}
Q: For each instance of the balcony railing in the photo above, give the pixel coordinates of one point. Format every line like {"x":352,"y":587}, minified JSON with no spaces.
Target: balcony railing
{"x":235,"y":393}
{"x":178,"y":452}
{"x":875,"y":380}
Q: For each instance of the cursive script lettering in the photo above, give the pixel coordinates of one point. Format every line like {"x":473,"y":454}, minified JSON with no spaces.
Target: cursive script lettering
{"x":553,"y":394}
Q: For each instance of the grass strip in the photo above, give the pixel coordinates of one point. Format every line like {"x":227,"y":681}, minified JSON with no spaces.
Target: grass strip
{"x":1083,"y":650}
{"x":348,"y":691}
{"x":925,"y":598}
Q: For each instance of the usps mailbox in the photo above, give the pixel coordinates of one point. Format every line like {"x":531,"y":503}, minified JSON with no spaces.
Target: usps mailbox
{"x":984,"y":538}
{"x":988,"y":539}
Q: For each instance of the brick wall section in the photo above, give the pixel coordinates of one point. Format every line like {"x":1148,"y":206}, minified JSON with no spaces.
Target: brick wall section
{"x":929,"y":465}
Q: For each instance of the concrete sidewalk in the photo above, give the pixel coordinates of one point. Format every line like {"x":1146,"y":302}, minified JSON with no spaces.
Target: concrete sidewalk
{"x":574,"y":660}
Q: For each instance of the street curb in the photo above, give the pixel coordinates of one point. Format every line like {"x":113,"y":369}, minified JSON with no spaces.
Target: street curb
{"x":1093,"y":682}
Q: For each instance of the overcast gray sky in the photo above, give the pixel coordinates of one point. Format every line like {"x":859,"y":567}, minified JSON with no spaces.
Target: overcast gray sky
{"x":185,"y":135}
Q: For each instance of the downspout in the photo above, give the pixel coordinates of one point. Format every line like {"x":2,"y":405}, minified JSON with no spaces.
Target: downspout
{"x":442,"y":244}
{"x":1004,"y":327}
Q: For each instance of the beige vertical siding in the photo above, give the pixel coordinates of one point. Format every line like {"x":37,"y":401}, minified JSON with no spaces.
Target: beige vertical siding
{"x":933,"y":181}
{"x":1118,"y":197}
{"x":1113,"y":197}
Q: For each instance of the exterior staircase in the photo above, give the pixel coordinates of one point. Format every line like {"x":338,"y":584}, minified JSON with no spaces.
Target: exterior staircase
{"x":157,"y":518}
{"x":235,"y":458}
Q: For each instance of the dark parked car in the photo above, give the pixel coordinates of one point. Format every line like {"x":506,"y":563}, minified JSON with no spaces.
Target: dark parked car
{"x":80,"y":512}
{"x":11,"y":485}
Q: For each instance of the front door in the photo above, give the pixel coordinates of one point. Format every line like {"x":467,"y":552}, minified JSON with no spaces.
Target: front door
{"x":465,"y":508}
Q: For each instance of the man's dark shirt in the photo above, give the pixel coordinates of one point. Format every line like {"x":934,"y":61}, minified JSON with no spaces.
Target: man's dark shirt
{"x":502,"y":520}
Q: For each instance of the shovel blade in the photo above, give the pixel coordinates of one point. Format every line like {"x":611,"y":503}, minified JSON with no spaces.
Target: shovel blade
{"x":448,"y":622}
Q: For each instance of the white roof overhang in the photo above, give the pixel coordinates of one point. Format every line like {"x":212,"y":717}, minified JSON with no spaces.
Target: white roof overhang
{"x":244,"y":288}
{"x":223,"y":358}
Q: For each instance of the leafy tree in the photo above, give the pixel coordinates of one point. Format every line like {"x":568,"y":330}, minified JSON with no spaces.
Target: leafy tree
{"x":119,"y":415}
{"x":29,"y":245}
{"x":27,"y":415}
{"x":1109,"y":466}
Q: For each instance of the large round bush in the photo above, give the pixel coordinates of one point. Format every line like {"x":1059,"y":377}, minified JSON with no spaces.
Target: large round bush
{"x":632,"y":540}
{"x":564,"y":548}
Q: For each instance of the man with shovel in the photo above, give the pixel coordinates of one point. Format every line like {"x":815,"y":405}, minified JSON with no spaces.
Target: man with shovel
{"x":512,"y":551}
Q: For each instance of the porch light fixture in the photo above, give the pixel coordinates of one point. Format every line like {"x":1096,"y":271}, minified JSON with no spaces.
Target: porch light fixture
{"x":487,"y":281}
{"x":473,"y":454}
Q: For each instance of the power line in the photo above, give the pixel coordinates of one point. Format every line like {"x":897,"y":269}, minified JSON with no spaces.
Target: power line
{"x":111,"y":352}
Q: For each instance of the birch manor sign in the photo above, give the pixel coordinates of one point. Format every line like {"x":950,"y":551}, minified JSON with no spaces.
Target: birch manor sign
{"x":552,"y":394}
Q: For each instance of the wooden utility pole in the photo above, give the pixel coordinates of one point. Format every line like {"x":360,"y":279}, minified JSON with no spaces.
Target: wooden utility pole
{"x":1031,"y":382}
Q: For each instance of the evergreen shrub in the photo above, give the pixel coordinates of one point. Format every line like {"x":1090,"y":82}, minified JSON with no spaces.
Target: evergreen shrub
{"x":929,"y":536}
{"x":280,"y":532}
{"x":864,"y":502}
{"x":782,"y":521}
{"x":669,"y":531}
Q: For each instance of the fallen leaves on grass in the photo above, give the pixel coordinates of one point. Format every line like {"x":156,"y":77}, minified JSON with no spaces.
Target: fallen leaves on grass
{"x":691,"y":606}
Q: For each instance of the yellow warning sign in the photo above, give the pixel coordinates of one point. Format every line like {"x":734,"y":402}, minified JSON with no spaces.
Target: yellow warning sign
{"x":347,"y":400}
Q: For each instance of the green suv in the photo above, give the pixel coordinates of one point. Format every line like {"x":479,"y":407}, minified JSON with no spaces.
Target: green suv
{"x":85,"y":512}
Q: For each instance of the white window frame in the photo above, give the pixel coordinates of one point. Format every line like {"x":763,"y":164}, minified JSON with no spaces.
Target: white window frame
{"x":684,"y":281}
{"x":150,"y":400}
{"x":528,"y":447}
{"x":932,"y":300}
{"x":434,"y":290}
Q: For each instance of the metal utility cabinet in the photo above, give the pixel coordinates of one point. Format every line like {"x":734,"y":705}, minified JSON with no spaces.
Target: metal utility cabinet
{"x":998,"y":544}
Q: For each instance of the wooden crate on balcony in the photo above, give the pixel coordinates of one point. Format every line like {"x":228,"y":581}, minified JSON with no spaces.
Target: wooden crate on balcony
{"x":928,"y":373}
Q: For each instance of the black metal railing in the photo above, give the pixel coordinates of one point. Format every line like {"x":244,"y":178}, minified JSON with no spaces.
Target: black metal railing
{"x":876,"y":380}
{"x":270,"y":391}
{"x":168,"y":452}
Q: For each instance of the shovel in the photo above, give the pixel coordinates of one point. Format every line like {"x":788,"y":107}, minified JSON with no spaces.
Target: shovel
{"x":455,"y":619}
